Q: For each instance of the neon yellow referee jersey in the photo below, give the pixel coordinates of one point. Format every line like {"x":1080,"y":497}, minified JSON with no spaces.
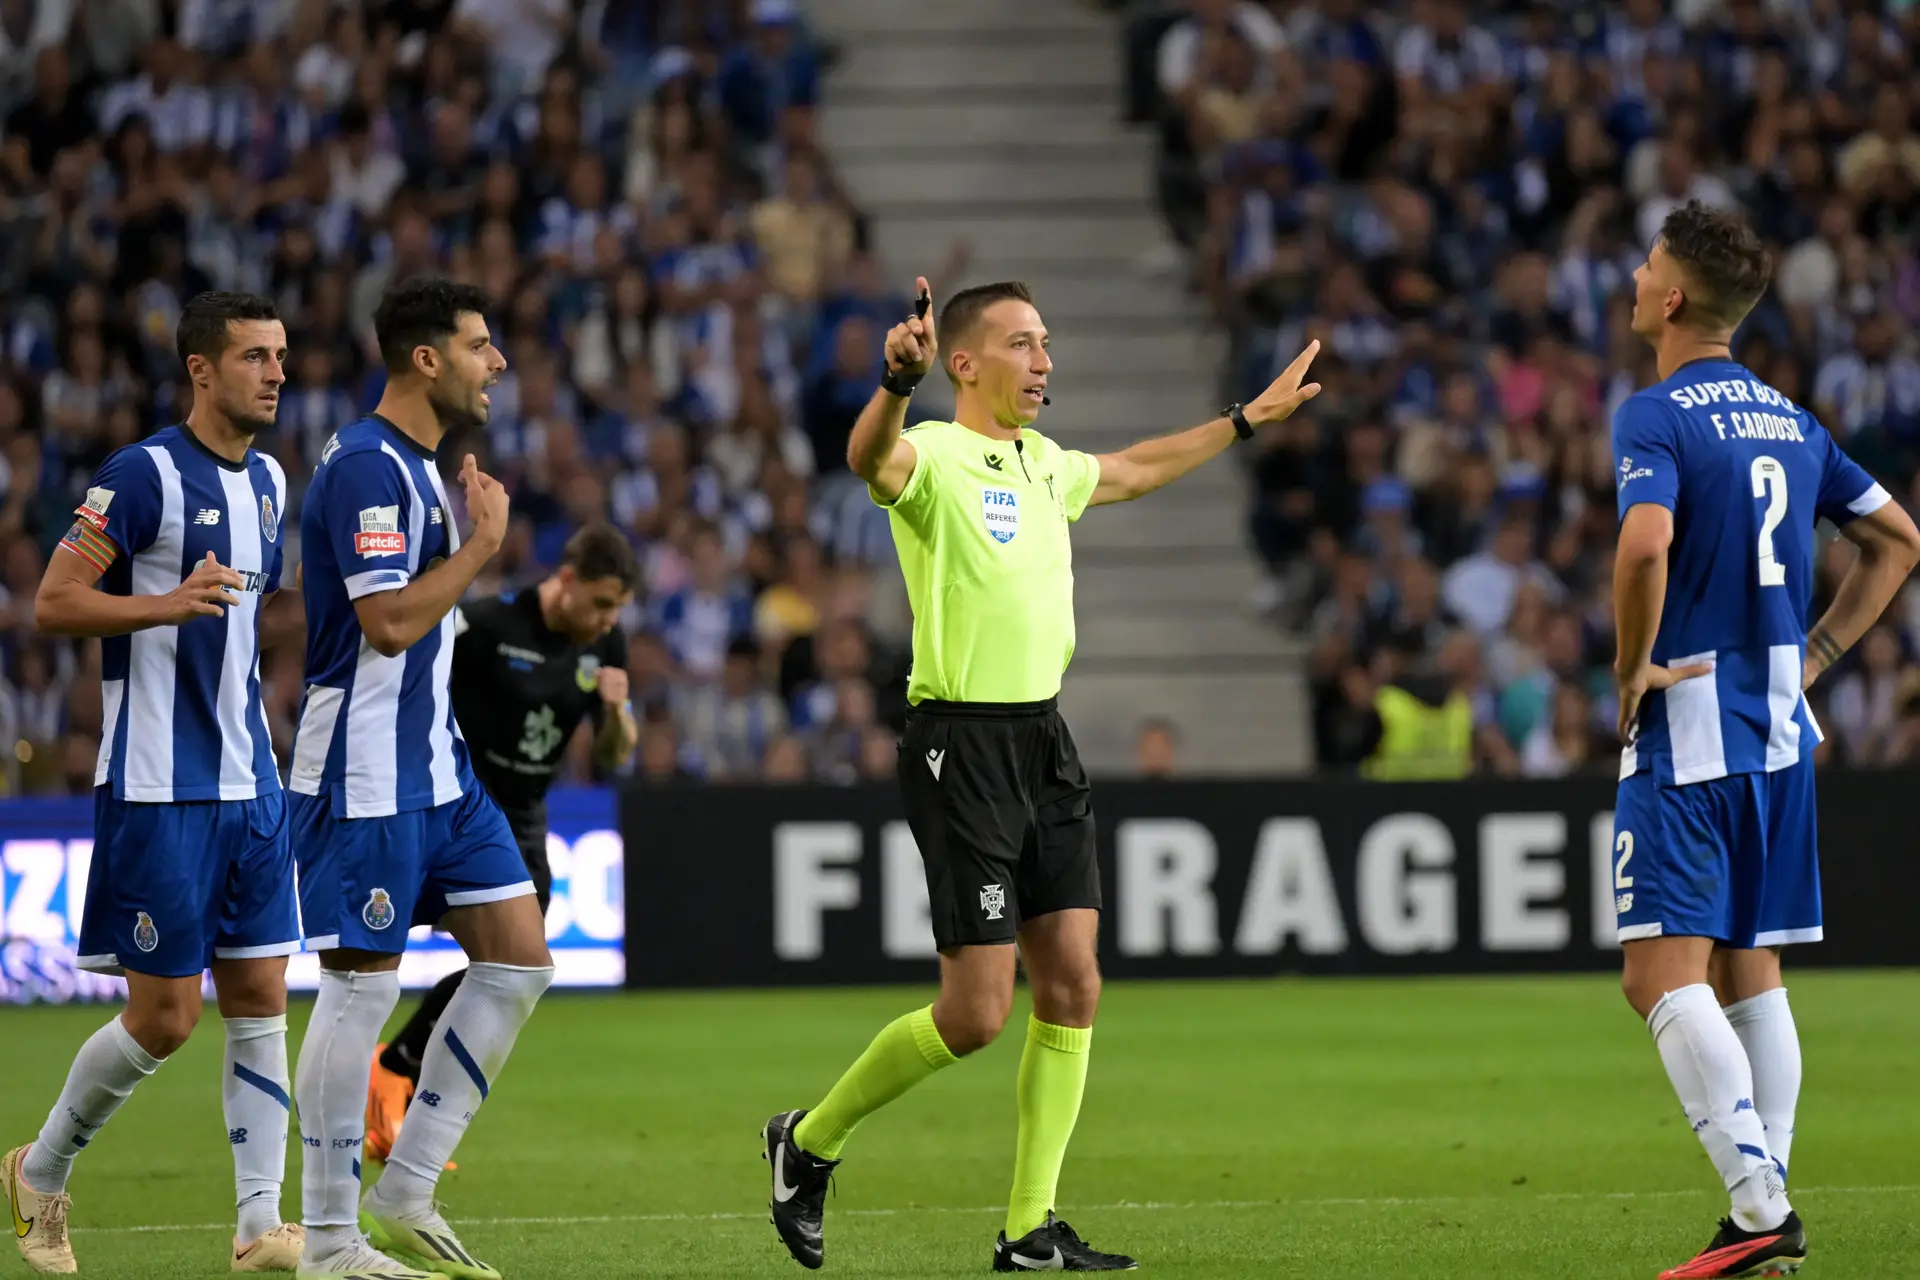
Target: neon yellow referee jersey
{"x":982,"y":532}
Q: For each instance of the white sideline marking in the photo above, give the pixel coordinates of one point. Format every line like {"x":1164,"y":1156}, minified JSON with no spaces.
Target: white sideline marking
{"x":1150,"y":1206}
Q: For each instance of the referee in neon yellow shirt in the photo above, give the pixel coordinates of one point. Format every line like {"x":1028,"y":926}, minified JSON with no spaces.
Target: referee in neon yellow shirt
{"x":993,"y":786}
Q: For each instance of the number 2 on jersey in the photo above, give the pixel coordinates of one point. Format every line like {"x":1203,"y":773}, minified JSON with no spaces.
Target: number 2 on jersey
{"x":1770,"y":482}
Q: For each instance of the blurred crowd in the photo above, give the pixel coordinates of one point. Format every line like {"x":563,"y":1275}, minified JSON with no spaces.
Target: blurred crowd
{"x":1453,"y":196}
{"x":683,"y":290}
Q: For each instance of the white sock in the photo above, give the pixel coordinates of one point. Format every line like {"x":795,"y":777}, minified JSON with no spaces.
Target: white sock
{"x":1765,"y":1026}
{"x":1710,"y":1073}
{"x":331,"y":1087}
{"x":104,"y":1072}
{"x":462,"y":1061}
{"x":254,"y":1095}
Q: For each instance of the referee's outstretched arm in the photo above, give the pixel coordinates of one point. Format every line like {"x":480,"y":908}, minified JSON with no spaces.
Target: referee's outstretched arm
{"x":875,"y":451}
{"x":999,"y":369}
{"x":1140,"y":469}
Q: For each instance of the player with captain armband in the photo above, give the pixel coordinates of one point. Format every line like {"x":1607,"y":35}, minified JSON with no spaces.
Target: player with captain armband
{"x":171,"y":562}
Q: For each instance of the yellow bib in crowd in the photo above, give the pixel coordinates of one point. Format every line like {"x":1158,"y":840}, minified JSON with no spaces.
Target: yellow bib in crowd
{"x":1421,"y":741}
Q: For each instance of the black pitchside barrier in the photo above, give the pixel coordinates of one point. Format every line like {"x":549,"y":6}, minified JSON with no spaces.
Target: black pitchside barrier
{"x":758,"y":886}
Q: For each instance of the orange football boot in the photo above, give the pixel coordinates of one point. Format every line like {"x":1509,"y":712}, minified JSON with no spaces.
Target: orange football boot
{"x":389,"y":1094}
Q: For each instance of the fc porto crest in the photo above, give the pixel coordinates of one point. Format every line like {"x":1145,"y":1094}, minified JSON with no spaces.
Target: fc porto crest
{"x":587,"y":674}
{"x":145,"y":935}
{"x":269,"y":519}
{"x":378,"y":913}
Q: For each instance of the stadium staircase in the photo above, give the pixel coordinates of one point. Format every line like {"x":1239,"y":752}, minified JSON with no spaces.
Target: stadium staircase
{"x":998,"y":121}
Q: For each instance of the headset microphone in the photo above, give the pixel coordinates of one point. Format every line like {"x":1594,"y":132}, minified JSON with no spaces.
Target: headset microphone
{"x":1046,"y":399}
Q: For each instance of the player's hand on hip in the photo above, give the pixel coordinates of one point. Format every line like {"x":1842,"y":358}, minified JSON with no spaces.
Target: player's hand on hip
{"x":486,"y":503}
{"x":912,"y":345}
{"x":612,"y":683}
{"x":1651,"y":678}
{"x":1288,"y":392}
{"x":205,"y":593}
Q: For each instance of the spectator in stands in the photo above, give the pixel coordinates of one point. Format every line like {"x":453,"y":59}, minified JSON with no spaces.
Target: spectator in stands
{"x":786,"y":761}
{"x":1481,"y":589}
{"x":731,"y":721}
{"x":1863,"y":708}
{"x":657,"y":350}
{"x":1156,"y":748}
{"x":1455,"y":200}
{"x":702,"y":619}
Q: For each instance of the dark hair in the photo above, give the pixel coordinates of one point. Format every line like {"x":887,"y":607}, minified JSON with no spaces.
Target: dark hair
{"x":1724,"y":261}
{"x":424,"y":311}
{"x":963,"y":310}
{"x":203,"y":330}
{"x":598,"y":552}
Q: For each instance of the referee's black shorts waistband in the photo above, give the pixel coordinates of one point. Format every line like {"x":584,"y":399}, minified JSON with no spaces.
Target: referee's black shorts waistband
{"x":983,"y":710}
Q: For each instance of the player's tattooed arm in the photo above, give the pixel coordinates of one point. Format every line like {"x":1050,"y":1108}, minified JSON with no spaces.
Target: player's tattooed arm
{"x":1822,"y":649}
{"x":1889,"y":547}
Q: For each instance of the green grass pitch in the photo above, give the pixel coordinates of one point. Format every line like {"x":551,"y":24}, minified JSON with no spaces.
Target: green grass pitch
{"x":1356,"y":1128}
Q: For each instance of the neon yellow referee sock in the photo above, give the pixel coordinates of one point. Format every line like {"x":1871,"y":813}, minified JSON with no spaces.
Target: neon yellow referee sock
{"x":1053,"y":1076}
{"x":906,"y":1052}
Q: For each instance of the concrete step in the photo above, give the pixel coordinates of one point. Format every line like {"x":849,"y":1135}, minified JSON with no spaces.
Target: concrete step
{"x":1005,"y":23}
{"x":1132,"y":411}
{"x":1170,"y":354}
{"x":1211,"y":586}
{"x":1113,"y":299}
{"x":933,"y":126}
{"x":1124,"y":528}
{"x":1130,"y":152}
{"x":930,"y":184}
{"x":1230,"y":723}
{"x":1117,"y":238}
{"x":1199,"y":639}
{"x":981,"y":66}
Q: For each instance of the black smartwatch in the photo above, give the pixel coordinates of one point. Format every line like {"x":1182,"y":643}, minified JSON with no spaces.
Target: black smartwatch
{"x":899,"y":382}
{"x":1238,"y":416}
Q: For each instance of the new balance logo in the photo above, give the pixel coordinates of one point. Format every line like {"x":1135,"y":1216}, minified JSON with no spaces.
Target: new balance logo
{"x":934,"y":760}
{"x":430,"y":1098}
{"x":207,"y":515}
{"x":237,"y":1137}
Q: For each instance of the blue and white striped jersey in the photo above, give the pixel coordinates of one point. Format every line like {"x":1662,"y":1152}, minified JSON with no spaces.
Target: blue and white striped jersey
{"x":377,"y":734}
{"x":181,"y":704}
{"x":1746,"y":473}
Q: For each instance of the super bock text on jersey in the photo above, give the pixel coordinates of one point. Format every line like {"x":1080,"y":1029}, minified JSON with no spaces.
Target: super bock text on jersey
{"x":190,"y":856}
{"x":390,"y":828}
{"x":1714,"y":827}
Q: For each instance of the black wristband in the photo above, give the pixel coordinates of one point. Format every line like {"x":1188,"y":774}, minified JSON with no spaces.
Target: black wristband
{"x":1238,"y":417}
{"x":899,"y":382}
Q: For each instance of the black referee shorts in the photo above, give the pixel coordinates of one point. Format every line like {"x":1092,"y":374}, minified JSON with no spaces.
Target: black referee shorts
{"x":1003,"y":815}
